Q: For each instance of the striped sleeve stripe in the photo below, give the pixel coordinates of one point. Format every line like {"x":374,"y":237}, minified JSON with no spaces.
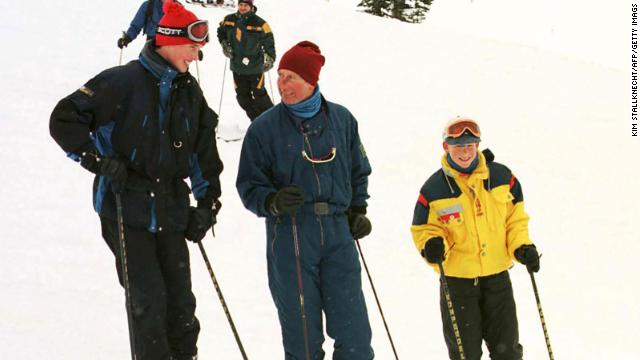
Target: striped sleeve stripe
{"x":422,"y":200}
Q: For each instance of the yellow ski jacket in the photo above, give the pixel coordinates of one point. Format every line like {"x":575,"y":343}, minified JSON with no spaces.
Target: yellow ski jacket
{"x":480,"y":216}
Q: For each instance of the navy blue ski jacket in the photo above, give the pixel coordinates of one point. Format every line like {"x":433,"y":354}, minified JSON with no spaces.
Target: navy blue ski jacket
{"x":158,"y":123}
{"x":271,"y":159}
{"x":141,"y":22}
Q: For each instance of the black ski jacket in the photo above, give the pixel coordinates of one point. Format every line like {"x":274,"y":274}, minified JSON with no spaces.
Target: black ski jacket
{"x":158,"y":122}
{"x":250,"y":38}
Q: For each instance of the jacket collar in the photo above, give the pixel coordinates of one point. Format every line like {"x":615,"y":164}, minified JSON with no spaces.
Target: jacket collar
{"x":314,"y":124}
{"x":156,"y":64}
{"x":246,"y":15}
{"x":481,"y":171}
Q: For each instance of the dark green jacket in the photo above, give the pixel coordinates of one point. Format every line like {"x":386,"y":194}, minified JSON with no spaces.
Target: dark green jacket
{"x":250,"y":38}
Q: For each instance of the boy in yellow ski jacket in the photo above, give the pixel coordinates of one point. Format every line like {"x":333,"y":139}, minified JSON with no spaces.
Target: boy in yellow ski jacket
{"x":470,"y":217}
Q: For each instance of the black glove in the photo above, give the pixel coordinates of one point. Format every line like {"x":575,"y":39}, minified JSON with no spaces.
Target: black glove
{"x":434,"y":250}
{"x":528,"y":255}
{"x":201,"y":219}
{"x":114,"y":169}
{"x":124,"y":41}
{"x":359,"y":224}
{"x":227,"y":50}
{"x":268,"y":62}
{"x":286,"y":200}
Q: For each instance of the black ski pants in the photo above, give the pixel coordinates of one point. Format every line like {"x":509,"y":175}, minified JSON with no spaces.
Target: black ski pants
{"x":252,"y":94}
{"x":484,"y":309}
{"x":164,"y":322}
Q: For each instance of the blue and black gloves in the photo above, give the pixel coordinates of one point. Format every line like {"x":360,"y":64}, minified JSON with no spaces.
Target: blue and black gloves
{"x":227,"y":50}
{"x":528,"y":255}
{"x":286,"y":201}
{"x":268,"y":62}
{"x":201,"y":219}
{"x":114,"y":169}
{"x":359,"y":224}
{"x":434,"y":250}
{"x":124,"y":41}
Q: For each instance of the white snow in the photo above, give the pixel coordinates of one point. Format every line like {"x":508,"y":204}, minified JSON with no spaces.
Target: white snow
{"x":548,"y":82}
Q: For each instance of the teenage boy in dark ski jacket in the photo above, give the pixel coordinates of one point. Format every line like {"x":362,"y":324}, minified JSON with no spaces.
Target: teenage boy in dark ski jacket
{"x":143,"y":128}
{"x":247,"y":40}
{"x":470,"y":217}
{"x":303,"y":168}
{"x":146,"y":19}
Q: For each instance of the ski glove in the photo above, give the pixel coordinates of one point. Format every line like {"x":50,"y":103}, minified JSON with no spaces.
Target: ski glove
{"x":114,"y":169}
{"x":268,"y":62}
{"x":434,"y":250}
{"x":227,"y":50}
{"x":287,"y":200}
{"x":528,"y":255}
{"x":201,"y":219}
{"x":124,"y":41}
{"x":359,"y":224}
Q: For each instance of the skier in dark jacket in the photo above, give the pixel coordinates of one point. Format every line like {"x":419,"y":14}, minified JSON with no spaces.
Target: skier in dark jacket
{"x":304,"y":169}
{"x":146,"y":19}
{"x":143,"y":128}
{"x":247,"y":40}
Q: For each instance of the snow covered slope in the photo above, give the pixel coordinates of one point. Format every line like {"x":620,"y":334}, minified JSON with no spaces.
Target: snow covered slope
{"x":547,"y":84}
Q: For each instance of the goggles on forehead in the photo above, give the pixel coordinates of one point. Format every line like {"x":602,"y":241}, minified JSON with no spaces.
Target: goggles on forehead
{"x":197,"y":31}
{"x":457,"y":128}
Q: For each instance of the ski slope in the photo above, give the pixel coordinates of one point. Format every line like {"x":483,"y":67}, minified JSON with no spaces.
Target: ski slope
{"x":548,"y":83}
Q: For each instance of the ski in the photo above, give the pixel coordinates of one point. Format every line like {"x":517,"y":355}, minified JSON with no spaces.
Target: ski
{"x":229,"y":133}
{"x":230,"y":139}
{"x":213,"y":3}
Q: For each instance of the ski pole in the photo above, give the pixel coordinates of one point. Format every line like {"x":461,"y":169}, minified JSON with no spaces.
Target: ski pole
{"x":544,"y":324}
{"x":198,"y":71}
{"x":121,"y":51}
{"x":452,"y":315}
{"x":375,"y":294}
{"x":219,"y":292}
{"x":303,"y":316}
{"x":224,"y":74}
{"x":270,"y":85}
{"x":125,"y":273}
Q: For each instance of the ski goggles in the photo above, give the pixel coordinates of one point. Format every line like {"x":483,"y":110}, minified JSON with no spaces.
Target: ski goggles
{"x":458,"y":127}
{"x":320,"y":160}
{"x":197,"y":31}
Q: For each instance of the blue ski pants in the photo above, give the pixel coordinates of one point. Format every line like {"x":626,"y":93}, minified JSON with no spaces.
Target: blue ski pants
{"x":331,"y":282}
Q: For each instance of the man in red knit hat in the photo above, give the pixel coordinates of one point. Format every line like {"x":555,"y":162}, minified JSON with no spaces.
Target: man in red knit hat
{"x":304,"y":168}
{"x":143,"y":128}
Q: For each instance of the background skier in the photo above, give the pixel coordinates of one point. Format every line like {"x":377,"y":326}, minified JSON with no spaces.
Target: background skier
{"x":303,"y":168}
{"x":470,"y":216}
{"x":146,"y":20}
{"x":142,"y":128}
{"x":247,"y":40}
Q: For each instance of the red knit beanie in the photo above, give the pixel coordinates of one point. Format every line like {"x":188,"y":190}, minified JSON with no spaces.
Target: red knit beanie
{"x":248,"y":2}
{"x":305,"y":60}
{"x":175,"y":17}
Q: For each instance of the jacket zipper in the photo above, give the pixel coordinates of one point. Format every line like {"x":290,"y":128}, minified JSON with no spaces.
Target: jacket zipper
{"x":315,"y":173}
